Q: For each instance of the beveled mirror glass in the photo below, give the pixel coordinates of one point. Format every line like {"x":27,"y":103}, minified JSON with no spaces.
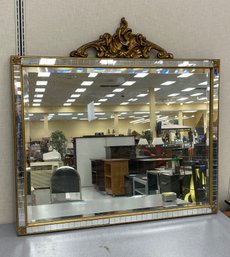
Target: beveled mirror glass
{"x":109,"y":141}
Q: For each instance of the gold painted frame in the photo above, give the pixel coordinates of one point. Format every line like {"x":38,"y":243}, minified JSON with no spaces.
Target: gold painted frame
{"x":17,"y":63}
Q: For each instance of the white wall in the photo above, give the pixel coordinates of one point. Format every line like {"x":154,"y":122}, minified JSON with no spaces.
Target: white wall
{"x":189,"y":29}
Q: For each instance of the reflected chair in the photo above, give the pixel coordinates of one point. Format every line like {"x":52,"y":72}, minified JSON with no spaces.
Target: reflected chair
{"x":65,"y":185}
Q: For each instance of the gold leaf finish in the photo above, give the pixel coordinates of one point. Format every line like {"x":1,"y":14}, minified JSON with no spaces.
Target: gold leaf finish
{"x":21,"y":231}
{"x":16,"y":59}
{"x":123,"y":44}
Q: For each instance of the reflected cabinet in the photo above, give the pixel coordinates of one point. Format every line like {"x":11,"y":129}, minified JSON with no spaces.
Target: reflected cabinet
{"x":127,"y":136}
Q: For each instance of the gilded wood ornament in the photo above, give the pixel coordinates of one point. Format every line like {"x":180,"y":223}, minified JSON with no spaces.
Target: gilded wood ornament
{"x":16,"y":59}
{"x":123,"y":44}
{"x":21,"y":231}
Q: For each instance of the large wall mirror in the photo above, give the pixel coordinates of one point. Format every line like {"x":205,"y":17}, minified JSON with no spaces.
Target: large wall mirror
{"x":102,"y":141}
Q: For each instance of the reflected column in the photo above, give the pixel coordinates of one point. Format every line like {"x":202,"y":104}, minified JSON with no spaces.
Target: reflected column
{"x":46,"y":125}
{"x":152,"y":111}
{"x":116,"y":124}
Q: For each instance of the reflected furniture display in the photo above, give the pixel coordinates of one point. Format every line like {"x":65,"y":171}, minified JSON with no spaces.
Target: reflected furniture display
{"x":41,"y":172}
{"x":115,"y":170}
{"x":64,"y":182}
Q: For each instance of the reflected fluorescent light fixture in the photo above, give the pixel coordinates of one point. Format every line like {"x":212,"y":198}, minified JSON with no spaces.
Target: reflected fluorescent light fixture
{"x":217,"y":85}
{"x":38,"y":95}
{"x":156,"y":89}
{"x":188,"y":89}
{"x":36,"y":104}
{"x":102,"y":118}
{"x":86,"y":83}
{"x":103,"y":100}
{"x":40,"y":90}
{"x":141,"y":75}
{"x":170,"y":103}
{"x":196,"y":94}
{"x":202,"y":98}
{"x":175,"y":94}
{"x":47,"y":61}
{"x":75,"y":95}
{"x":80,"y":90}
{"x":74,"y":118}
{"x":67,"y":104}
{"x":142,"y":95}
{"x":64,"y":114}
{"x":182,"y":99}
{"x":96,"y":104}
{"x":192,"y":111}
{"x":205,"y":83}
{"x":37,"y":100}
{"x":44,"y":74}
{"x":189,"y":102}
{"x":128,"y":83}
{"x":31,"y":114}
{"x":110,"y":95}
{"x":132,"y":99}
{"x":118,"y":90}
{"x":168,"y":83}
{"x":71,"y":100}
{"x":99,"y":113}
{"x":17,"y":84}
{"x":93,"y":75}
{"x":80,"y":114}
{"x":41,"y":83}
{"x":83,"y":119}
{"x":108,"y":62}
{"x":124,"y":103}
{"x":186,"y":63}
{"x":185,"y":75}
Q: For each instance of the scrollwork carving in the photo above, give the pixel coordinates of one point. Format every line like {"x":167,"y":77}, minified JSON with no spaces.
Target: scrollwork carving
{"x":123,"y":44}
{"x":16,"y":59}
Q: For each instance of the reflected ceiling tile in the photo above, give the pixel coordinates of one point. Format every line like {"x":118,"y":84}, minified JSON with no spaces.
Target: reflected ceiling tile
{"x":168,"y":83}
{"x":188,"y":89}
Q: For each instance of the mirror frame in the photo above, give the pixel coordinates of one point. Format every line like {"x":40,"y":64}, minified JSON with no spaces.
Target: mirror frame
{"x":165,"y":60}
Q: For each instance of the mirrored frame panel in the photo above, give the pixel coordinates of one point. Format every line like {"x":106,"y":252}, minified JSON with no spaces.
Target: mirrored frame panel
{"x":138,"y":136}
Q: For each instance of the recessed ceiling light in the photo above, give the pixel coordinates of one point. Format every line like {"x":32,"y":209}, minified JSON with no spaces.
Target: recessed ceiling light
{"x":79,"y":90}
{"x":185,"y":75}
{"x":71,"y":100}
{"x":174,"y":94}
{"x":93,"y":75}
{"x":36,"y":104}
{"x":110,"y":95}
{"x":118,"y":90}
{"x":141,"y":75}
{"x":41,"y":83}
{"x":156,"y":89}
{"x":196,"y":94}
{"x":188,"y":89}
{"x":67,"y":104}
{"x":38,"y":95}
{"x":75,"y":95}
{"x":47,"y":61}
{"x":97,"y":103}
{"x":86,"y":83}
{"x":128,"y":83}
{"x":102,"y":100}
{"x":124,"y":103}
{"x":43,"y":74}
{"x":205,"y":83}
{"x":182,"y":99}
{"x":142,"y":95}
{"x":37,"y":100}
{"x":64,"y":114}
{"x":168,"y":83}
{"x":40,"y":90}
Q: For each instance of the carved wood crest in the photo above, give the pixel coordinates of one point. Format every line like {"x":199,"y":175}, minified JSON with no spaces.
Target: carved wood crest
{"x":123,"y":44}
